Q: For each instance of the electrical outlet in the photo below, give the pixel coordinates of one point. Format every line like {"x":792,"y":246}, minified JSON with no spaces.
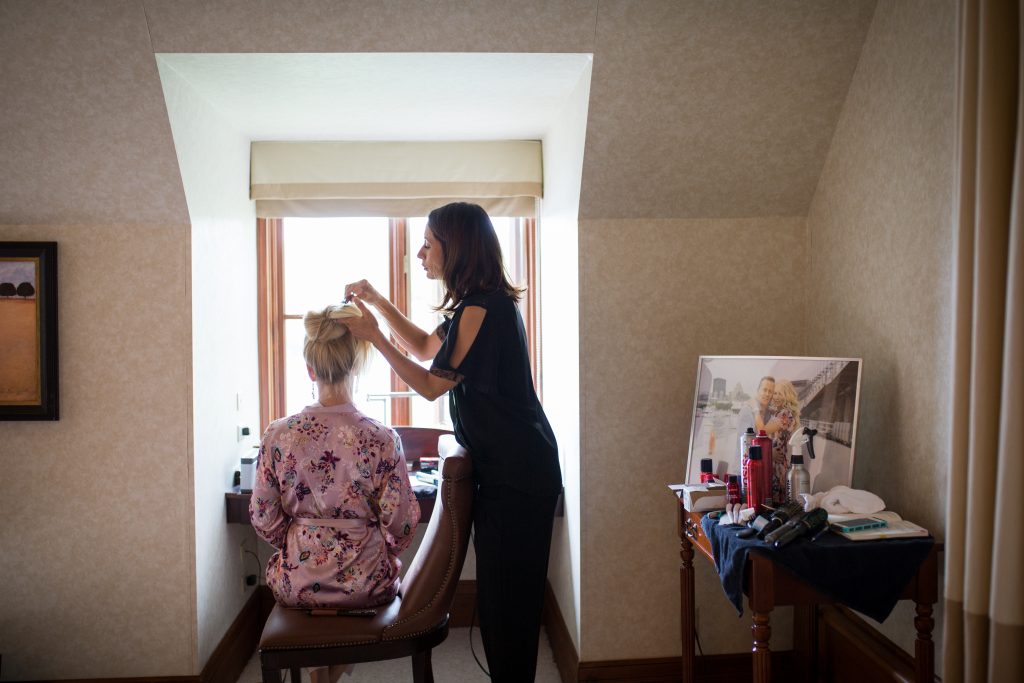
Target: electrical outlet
{"x":241,"y":432}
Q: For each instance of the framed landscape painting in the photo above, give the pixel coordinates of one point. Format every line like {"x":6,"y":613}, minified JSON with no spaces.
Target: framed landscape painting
{"x":28,"y":331}
{"x":818,"y":397}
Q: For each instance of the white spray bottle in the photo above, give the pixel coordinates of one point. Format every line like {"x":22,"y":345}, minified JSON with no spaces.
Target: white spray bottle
{"x":798,"y":479}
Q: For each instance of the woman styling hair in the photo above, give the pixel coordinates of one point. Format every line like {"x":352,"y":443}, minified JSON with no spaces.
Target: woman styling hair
{"x":480,"y":357}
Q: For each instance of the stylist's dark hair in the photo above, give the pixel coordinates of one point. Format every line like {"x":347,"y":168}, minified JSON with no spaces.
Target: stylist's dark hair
{"x":472,"y":254}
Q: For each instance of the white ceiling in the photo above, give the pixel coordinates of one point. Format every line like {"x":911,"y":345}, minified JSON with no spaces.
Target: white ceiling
{"x":384,"y":96}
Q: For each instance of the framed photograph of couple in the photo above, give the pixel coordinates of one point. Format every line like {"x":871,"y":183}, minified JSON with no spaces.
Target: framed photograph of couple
{"x":782,"y":395}
{"x":28,"y":329}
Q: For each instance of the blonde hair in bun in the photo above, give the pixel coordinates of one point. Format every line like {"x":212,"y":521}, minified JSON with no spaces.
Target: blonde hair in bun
{"x":329,"y":349}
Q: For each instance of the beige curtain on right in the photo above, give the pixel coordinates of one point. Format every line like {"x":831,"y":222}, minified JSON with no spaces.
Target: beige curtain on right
{"x":984,"y":629}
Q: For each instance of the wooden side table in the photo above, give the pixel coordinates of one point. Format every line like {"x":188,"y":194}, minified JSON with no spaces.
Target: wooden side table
{"x":769,"y":585}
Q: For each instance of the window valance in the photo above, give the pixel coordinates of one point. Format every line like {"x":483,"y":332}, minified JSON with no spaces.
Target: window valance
{"x":394,"y":178}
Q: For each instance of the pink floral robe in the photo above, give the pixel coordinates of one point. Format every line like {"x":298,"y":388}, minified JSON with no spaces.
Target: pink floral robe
{"x":332,"y":494}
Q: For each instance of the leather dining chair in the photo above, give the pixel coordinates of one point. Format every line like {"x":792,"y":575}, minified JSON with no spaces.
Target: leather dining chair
{"x":410,"y":626}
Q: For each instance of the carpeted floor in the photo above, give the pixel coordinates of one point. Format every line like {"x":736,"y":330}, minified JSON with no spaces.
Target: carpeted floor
{"x":452,"y":662}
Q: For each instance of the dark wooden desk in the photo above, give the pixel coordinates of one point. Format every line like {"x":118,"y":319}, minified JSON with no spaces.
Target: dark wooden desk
{"x":768,"y":585}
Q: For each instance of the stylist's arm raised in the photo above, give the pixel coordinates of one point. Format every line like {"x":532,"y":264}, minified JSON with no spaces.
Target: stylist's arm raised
{"x":421,"y":344}
{"x":424,"y":383}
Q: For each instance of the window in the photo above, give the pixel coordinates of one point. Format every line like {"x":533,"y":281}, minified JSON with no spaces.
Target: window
{"x":304,"y":263}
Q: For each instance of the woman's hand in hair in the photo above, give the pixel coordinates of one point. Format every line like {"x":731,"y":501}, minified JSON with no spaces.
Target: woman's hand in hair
{"x":365,"y":327}
{"x":363,"y":290}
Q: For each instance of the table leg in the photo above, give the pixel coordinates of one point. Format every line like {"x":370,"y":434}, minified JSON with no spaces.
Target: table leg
{"x":926,"y":593}
{"x":761,"y":598}
{"x":762,"y":652}
{"x":686,"y":606}
{"x":924,"y":647}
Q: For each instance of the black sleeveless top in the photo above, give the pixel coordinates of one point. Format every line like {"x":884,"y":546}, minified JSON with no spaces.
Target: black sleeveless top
{"x":495,"y":411}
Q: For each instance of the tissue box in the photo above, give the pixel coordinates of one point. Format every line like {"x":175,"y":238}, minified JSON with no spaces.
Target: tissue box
{"x":703,"y":497}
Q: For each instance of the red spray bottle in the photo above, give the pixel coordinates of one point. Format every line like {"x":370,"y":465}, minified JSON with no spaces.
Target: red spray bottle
{"x":757,"y":493}
{"x":765,"y":442}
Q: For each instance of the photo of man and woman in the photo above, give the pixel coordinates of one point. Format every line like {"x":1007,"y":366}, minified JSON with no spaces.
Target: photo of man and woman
{"x":785,"y":397}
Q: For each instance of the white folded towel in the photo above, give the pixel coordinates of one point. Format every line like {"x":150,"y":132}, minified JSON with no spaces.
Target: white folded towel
{"x":840,"y":499}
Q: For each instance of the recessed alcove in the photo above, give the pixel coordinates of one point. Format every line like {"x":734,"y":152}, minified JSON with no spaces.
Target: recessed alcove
{"x":219,"y":103}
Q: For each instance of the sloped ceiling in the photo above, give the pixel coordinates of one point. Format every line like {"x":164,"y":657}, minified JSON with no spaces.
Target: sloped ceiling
{"x":704,"y":109}
{"x":698,"y":108}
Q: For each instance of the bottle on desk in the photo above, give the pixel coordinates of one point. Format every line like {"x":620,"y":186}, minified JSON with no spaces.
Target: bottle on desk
{"x":757,"y":477}
{"x":733,"y":499}
{"x":707,"y":473}
{"x":765,"y":442}
{"x":798,"y":479}
{"x":746,"y":441}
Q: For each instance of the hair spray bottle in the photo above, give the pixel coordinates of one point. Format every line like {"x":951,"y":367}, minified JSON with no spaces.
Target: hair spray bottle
{"x":765,"y":442}
{"x":746,"y":441}
{"x":757,"y":494}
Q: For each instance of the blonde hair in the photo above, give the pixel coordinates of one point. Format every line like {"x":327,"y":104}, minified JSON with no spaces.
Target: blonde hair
{"x":329,"y":349}
{"x":789,"y":398}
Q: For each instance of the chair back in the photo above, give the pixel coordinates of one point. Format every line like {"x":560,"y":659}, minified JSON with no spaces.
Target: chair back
{"x":420,"y":442}
{"x":428,"y":589}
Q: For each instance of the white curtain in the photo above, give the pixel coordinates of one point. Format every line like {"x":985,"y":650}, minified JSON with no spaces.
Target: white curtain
{"x":984,"y":630}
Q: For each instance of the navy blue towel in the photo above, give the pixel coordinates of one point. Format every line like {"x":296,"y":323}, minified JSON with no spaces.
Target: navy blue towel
{"x":867,"y":576}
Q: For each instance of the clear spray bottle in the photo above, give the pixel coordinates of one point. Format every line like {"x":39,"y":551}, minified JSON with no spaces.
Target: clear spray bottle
{"x":798,"y":479}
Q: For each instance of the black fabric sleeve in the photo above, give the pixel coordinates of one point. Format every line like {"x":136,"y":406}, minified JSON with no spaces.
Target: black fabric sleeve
{"x":473,"y":365}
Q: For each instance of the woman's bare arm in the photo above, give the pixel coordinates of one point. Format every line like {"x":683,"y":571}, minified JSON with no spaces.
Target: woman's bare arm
{"x":420,"y":343}
{"x":421,"y":380}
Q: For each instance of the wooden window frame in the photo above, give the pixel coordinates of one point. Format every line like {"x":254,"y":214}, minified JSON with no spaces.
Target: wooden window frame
{"x":532,"y":319}
{"x":398,"y":272}
{"x":271,"y":316}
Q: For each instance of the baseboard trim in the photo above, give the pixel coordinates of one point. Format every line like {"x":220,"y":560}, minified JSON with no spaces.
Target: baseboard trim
{"x":229,"y":658}
{"x":727,"y":668}
{"x":842,"y":633}
{"x":240,"y":640}
{"x":564,"y":650}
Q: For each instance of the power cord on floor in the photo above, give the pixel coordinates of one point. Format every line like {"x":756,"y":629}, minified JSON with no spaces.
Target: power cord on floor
{"x":472,"y":621}
{"x":478,"y":663}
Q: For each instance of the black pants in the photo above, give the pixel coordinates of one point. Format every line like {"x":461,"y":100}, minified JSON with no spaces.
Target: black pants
{"x":512,"y":539}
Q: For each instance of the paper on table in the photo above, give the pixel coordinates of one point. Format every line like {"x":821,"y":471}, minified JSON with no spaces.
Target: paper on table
{"x":896,"y":527}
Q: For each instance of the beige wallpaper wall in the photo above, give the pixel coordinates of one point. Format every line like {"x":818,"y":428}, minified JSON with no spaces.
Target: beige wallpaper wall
{"x":96,"y":572}
{"x":83,"y":127}
{"x":880,"y":253}
{"x":87,"y":158}
{"x":655,"y":295}
{"x":705,"y":109}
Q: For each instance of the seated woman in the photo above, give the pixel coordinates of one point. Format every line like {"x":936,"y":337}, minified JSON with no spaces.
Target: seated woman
{"x":332,"y":493}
